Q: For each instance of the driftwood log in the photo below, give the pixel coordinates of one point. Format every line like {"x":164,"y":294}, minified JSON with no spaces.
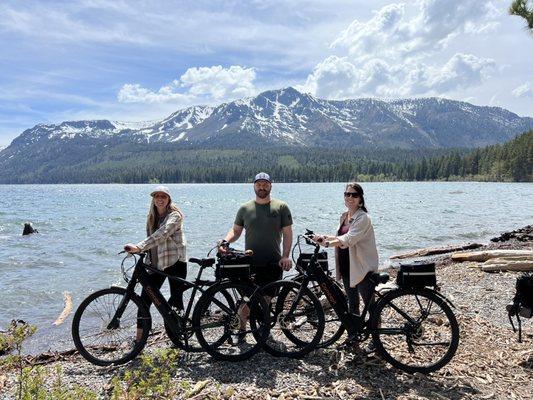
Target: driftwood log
{"x":435,"y":250}
{"x":66,"y":310}
{"x":516,"y":263}
{"x":481,"y":256}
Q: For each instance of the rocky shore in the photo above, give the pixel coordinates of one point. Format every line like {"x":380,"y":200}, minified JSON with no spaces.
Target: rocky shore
{"x":489,"y":364}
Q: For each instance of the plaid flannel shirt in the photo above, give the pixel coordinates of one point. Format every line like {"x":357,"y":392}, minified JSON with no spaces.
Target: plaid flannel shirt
{"x":169,"y":239}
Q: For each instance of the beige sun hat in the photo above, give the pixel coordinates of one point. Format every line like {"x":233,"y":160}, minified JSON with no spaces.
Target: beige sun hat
{"x":161,"y":189}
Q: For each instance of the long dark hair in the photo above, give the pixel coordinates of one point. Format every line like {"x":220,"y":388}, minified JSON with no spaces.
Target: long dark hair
{"x":359,"y":190}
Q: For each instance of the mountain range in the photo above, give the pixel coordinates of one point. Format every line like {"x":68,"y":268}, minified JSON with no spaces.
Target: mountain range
{"x":279,"y":118}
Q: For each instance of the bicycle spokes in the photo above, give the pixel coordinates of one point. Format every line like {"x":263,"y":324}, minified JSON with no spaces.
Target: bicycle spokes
{"x":416,"y":330}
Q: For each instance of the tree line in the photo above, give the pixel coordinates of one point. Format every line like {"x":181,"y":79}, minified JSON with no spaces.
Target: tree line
{"x":141,"y":163}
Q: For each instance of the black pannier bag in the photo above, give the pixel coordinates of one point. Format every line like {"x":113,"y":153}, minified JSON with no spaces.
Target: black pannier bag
{"x":233,"y":266}
{"x":524,"y":291}
{"x":417,"y":274}
{"x":322,"y":258}
{"x":522,"y":304}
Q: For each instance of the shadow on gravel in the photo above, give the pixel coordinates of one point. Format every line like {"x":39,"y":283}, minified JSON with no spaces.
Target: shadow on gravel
{"x":323,"y":369}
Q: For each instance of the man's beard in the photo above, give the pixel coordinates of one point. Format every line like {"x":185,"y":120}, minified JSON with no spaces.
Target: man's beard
{"x":262,"y":194}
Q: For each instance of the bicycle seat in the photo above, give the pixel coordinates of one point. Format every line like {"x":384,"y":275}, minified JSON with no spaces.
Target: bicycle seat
{"x":204,"y":262}
{"x":379,"y":277}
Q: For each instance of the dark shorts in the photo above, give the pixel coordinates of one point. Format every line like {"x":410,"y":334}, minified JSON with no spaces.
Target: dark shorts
{"x":267,"y":274}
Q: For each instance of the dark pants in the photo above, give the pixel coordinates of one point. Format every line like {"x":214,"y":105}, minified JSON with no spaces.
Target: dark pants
{"x":365,"y":288}
{"x":178,"y":269}
{"x":267,"y":274}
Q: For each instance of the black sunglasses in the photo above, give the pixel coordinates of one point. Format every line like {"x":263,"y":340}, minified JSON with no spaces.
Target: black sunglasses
{"x":351,"y":194}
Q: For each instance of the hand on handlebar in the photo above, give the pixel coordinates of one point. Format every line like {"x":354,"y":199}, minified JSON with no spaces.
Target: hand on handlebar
{"x":318,"y":239}
{"x":222,"y":246}
{"x":131,"y":248}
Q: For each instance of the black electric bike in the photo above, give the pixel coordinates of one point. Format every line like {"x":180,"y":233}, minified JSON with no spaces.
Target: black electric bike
{"x":412,"y":328}
{"x":105,"y":325}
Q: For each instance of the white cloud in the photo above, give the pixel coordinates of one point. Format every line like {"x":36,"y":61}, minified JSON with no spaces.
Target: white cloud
{"x":394,"y":52}
{"x":65,"y":25}
{"x":525,"y":90}
{"x":391,"y":33}
{"x":337,"y":77}
{"x":461,"y":71}
{"x":195,"y":85}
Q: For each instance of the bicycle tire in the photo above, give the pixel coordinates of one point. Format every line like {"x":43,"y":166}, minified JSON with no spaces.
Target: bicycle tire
{"x":94,"y":314}
{"x":217,"y":321}
{"x":193,"y":346}
{"x":423,"y":344}
{"x":333,"y":327}
{"x":293,"y":333}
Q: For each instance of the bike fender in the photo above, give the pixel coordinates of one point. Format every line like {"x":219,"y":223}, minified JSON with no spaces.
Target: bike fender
{"x":444,"y":298}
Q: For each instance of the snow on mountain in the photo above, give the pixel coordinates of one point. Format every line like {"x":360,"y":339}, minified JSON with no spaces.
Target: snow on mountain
{"x":288,"y":117}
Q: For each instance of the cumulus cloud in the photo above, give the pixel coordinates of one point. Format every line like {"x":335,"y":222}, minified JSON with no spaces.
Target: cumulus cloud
{"x":337,"y":77}
{"x":394,"y":52}
{"x":461,"y":71}
{"x":196,"y":84}
{"x":392,"y":33}
{"x":525,"y":90}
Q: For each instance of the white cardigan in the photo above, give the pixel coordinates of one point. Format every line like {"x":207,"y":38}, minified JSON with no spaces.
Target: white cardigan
{"x":361,"y":244}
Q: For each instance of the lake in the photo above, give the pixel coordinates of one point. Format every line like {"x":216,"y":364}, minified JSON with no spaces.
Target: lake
{"x":83,"y":227}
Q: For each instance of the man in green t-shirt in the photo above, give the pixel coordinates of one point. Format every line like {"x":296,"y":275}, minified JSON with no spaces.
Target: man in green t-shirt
{"x":265,"y":221}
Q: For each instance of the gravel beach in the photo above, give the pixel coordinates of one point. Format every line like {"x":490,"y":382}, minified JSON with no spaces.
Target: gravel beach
{"x":489,"y":364}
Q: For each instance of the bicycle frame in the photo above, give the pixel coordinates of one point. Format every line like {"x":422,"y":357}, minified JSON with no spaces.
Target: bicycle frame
{"x":140,"y":275}
{"x":338,"y":300}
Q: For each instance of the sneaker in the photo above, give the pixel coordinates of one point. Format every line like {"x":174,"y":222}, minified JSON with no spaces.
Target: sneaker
{"x":238,"y":338}
{"x":349,"y":345}
{"x":369,"y":348}
{"x":276,"y":344}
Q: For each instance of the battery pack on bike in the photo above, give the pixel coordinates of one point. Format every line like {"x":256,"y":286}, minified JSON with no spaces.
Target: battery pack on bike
{"x":417,"y":274}
{"x":233,"y":265}
{"x":321,"y":257}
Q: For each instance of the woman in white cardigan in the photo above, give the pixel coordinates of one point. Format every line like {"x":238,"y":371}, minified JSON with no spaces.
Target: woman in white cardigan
{"x":355,"y":249}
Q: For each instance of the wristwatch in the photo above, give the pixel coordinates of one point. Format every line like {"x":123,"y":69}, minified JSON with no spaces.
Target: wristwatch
{"x":326,"y":244}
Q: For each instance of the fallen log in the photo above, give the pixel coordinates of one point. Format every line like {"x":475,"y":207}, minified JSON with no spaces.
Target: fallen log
{"x":435,"y":250}
{"x":503,"y":260}
{"x":508,"y":266}
{"x":66,"y":311}
{"x":485,"y":255}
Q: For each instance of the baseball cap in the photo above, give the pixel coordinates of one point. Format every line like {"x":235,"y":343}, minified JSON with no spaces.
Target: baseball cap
{"x":161,"y":189}
{"x":262,"y":176}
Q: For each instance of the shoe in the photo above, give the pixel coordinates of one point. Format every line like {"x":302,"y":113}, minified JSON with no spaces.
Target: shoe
{"x":349,"y":345}
{"x":238,"y":338}
{"x":276,"y":344}
{"x":369,"y":348}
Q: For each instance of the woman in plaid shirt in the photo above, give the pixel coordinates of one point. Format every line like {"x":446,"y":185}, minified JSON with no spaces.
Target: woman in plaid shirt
{"x":166,"y":246}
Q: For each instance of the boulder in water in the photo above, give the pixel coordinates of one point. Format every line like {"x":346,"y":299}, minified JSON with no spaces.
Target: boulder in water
{"x":28,"y":229}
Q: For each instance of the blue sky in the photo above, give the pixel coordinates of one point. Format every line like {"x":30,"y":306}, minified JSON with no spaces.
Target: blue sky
{"x":142,"y":60}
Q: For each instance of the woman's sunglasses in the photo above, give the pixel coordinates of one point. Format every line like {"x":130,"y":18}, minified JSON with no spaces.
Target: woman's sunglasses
{"x":351,"y":194}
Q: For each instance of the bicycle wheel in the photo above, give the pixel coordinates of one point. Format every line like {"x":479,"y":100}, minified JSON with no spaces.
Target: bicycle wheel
{"x":102,"y":344}
{"x":297,"y":320}
{"x":219,"y":321}
{"x":193,"y":346}
{"x":414,"y":330}
{"x":333,"y":327}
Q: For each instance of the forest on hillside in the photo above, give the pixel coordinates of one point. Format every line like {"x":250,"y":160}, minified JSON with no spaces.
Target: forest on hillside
{"x":139,"y":163}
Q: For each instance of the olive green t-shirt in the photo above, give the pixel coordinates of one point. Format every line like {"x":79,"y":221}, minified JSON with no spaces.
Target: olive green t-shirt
{"x":263,"y":224}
